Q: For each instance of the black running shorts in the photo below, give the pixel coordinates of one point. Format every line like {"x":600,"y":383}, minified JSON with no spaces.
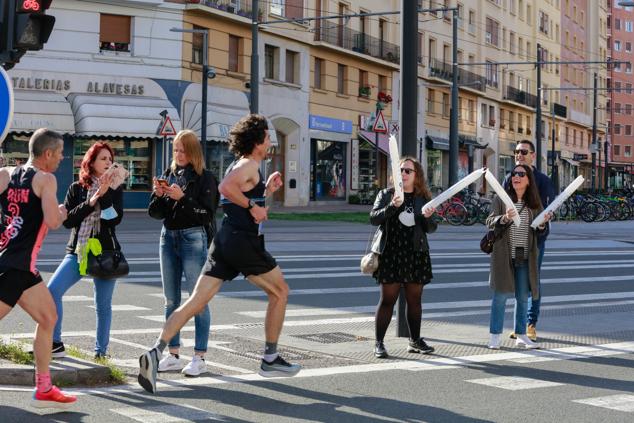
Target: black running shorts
{"x":233,"y":252}
{"x":13,"y":282}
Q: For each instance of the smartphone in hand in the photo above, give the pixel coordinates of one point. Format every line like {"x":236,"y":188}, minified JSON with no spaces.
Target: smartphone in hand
{"x":162,"y":182}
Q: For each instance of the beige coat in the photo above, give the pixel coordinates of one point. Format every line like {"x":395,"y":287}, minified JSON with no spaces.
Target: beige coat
{"x":502,"y":276}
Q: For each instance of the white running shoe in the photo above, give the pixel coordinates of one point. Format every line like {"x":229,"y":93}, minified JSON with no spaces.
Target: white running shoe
{"x":494,"y":342}
{"x":524,"y":341}
{"x":170,"y":364}
{"x":195,"y":367}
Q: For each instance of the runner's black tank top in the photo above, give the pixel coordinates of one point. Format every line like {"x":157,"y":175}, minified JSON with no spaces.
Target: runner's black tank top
{"x":24,"y":228}
{"x":240,"y":217}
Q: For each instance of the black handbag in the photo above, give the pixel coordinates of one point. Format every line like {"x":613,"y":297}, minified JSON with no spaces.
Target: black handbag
{"x":487,"y":241}
{"x":110,"y":264}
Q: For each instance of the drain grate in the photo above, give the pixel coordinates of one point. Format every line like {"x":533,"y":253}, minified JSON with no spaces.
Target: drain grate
{"x":331,"y":337}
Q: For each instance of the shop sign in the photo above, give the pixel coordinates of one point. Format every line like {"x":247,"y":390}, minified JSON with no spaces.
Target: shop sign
{"x":354,"y":165}
{"x":323,"y":123}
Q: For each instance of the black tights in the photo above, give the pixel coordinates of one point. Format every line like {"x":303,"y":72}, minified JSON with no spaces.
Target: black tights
{"x":385,"y":308}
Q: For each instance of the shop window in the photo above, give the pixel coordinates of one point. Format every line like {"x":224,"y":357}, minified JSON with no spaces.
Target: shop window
{"x":134,"y":155}
{"x":234,"y":53}
{"x":114,"y":32}
{"x":329,"y":162}
{"x":15,"y":150}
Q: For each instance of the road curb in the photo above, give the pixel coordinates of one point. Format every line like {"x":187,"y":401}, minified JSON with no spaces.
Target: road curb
{"x":64,"y":371}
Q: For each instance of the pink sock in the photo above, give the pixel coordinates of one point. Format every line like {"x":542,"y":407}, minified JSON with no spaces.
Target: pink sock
{"x":43,"y":382}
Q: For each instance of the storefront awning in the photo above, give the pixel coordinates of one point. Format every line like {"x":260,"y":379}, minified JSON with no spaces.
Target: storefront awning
{"x":224,"y":108}
{"x":42,"y":109}
{"x":124,"y":116}
{"x":384,"y":140}
{"x":570,"y":161}
{"x":437,"y":143}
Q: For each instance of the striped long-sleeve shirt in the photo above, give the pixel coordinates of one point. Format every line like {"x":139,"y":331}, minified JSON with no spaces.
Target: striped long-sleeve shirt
{"x":519,"y":235}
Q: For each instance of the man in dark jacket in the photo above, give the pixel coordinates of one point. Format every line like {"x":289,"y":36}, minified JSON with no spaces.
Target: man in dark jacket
{"x":525,"y":154}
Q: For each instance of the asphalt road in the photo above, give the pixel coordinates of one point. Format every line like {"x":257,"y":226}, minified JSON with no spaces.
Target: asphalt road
{"x":585,"y":371}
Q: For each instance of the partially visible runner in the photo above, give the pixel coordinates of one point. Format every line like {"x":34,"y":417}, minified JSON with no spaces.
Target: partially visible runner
{"x":29,"y":204}
{"x":237,"y":248}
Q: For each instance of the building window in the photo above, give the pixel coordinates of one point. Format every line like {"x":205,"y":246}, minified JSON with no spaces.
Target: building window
{"x":628,"y":130}
{"x":543,"y":22}
{"x":445,"y":105}
{"x":341,"y":79}
{"x":492,"y":74}
{"x":617,"y":45}
{"x":617,"y":129}
{"x":364,"y":86}
{"x":617,"y":150}
{"x":198,"y":42}
{"x":277,"y":7}
{"x":271,"y":54}
{"x":492,"y":32}
{"x":421,"y":40}
{"x":114,"y":32}
{"x":472,"y":25}
{"x":292,"y":67}
{"x":430,"y":101}
{"x":627,"y":151}
{"x":617,"y":108}
{"x":628,"y":109}
{"x":382,"y":83}
{"x":234,"y":53}
{"x":318,"y":73}
{"x":472,"y":111}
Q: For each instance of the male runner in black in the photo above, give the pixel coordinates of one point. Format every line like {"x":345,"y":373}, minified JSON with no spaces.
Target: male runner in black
{"x":237,"y":248}
{"x":29,"y":205}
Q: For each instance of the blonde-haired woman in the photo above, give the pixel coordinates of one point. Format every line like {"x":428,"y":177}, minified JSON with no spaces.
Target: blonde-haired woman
{"x":185,"y":198}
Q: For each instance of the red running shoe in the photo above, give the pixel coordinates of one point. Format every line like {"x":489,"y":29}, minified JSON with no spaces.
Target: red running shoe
{"x":53,"y":399}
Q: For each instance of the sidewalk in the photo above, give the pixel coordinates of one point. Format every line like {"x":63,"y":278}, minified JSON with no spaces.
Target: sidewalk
{"x":335,"y":207}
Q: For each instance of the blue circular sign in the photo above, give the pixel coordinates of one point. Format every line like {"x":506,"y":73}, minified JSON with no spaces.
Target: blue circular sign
{"x":6,"y":104}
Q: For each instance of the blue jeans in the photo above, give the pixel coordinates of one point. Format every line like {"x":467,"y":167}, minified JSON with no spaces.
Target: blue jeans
{"x":67,"y":275}
{"x":533,"y":311}
{"x":184,"y":251}
{"x":498,"y":304}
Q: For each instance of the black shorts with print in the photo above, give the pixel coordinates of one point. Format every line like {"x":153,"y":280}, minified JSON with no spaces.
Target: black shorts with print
{"x":13,"y":283}
{"x":235,"y":251}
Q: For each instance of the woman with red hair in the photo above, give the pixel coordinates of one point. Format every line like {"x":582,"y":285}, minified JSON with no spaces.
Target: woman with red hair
{"x":94,"y":209}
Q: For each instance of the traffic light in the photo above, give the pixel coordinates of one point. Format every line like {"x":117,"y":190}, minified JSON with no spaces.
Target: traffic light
{"x":32,"y":25}
{"x":24,"y":25}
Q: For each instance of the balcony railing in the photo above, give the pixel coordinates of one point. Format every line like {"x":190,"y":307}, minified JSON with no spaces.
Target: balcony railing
{"x":520,"y":96}
{"x":350,"y":39}
{"x":442,"y":70}
{"x":238,"y":7}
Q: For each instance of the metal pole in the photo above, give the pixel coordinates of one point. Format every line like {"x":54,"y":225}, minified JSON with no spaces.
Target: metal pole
{"x":593,"y":149}
{"x":377,"y":158}
{"x":408,"y":113}
{"x":600,"y":175}
{"x":606,"y":179}
{"x":538,"y":110}
{"x":255,"y":59}
{"x":453,"y":117}
{"x":203,"y":119}
{"x":554,"y":171}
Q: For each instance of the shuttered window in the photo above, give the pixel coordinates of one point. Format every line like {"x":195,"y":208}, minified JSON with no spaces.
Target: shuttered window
{"x":114,"y":32}
{"x":294,"y":9}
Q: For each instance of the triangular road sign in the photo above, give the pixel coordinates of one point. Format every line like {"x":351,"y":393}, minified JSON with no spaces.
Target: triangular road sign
{"x":379,"y":123}
{"x":167,"y":130}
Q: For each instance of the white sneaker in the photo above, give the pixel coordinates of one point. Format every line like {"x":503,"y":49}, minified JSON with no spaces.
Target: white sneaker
{"x":195,"y":367}
{"x":494,"y":342}
{"x":524,"y":341}
{"x":170,"y":364}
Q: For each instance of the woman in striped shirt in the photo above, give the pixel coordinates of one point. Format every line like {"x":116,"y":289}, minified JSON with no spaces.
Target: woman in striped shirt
{"x":514,"y":257}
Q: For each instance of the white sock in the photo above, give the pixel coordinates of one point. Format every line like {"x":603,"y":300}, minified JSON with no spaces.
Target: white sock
{"x":269,"y":358}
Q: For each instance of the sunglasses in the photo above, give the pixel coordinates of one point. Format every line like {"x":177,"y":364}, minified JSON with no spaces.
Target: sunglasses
{"x":522,"y":151}
{"x":519,"y":173}
{"x":407,"y":171}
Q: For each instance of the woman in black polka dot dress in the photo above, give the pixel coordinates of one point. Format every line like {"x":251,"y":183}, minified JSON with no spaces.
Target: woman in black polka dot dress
{"x":401,"y":241}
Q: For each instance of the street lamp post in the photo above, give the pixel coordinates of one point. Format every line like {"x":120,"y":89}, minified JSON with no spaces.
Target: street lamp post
{"x":207,"y":73}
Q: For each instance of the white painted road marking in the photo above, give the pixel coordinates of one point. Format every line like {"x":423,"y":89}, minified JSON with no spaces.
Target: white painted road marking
{"x":125,"y":307}
{"x":168,"y":414}
{"x":613,"y":402}
{"x":514,"y":383}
